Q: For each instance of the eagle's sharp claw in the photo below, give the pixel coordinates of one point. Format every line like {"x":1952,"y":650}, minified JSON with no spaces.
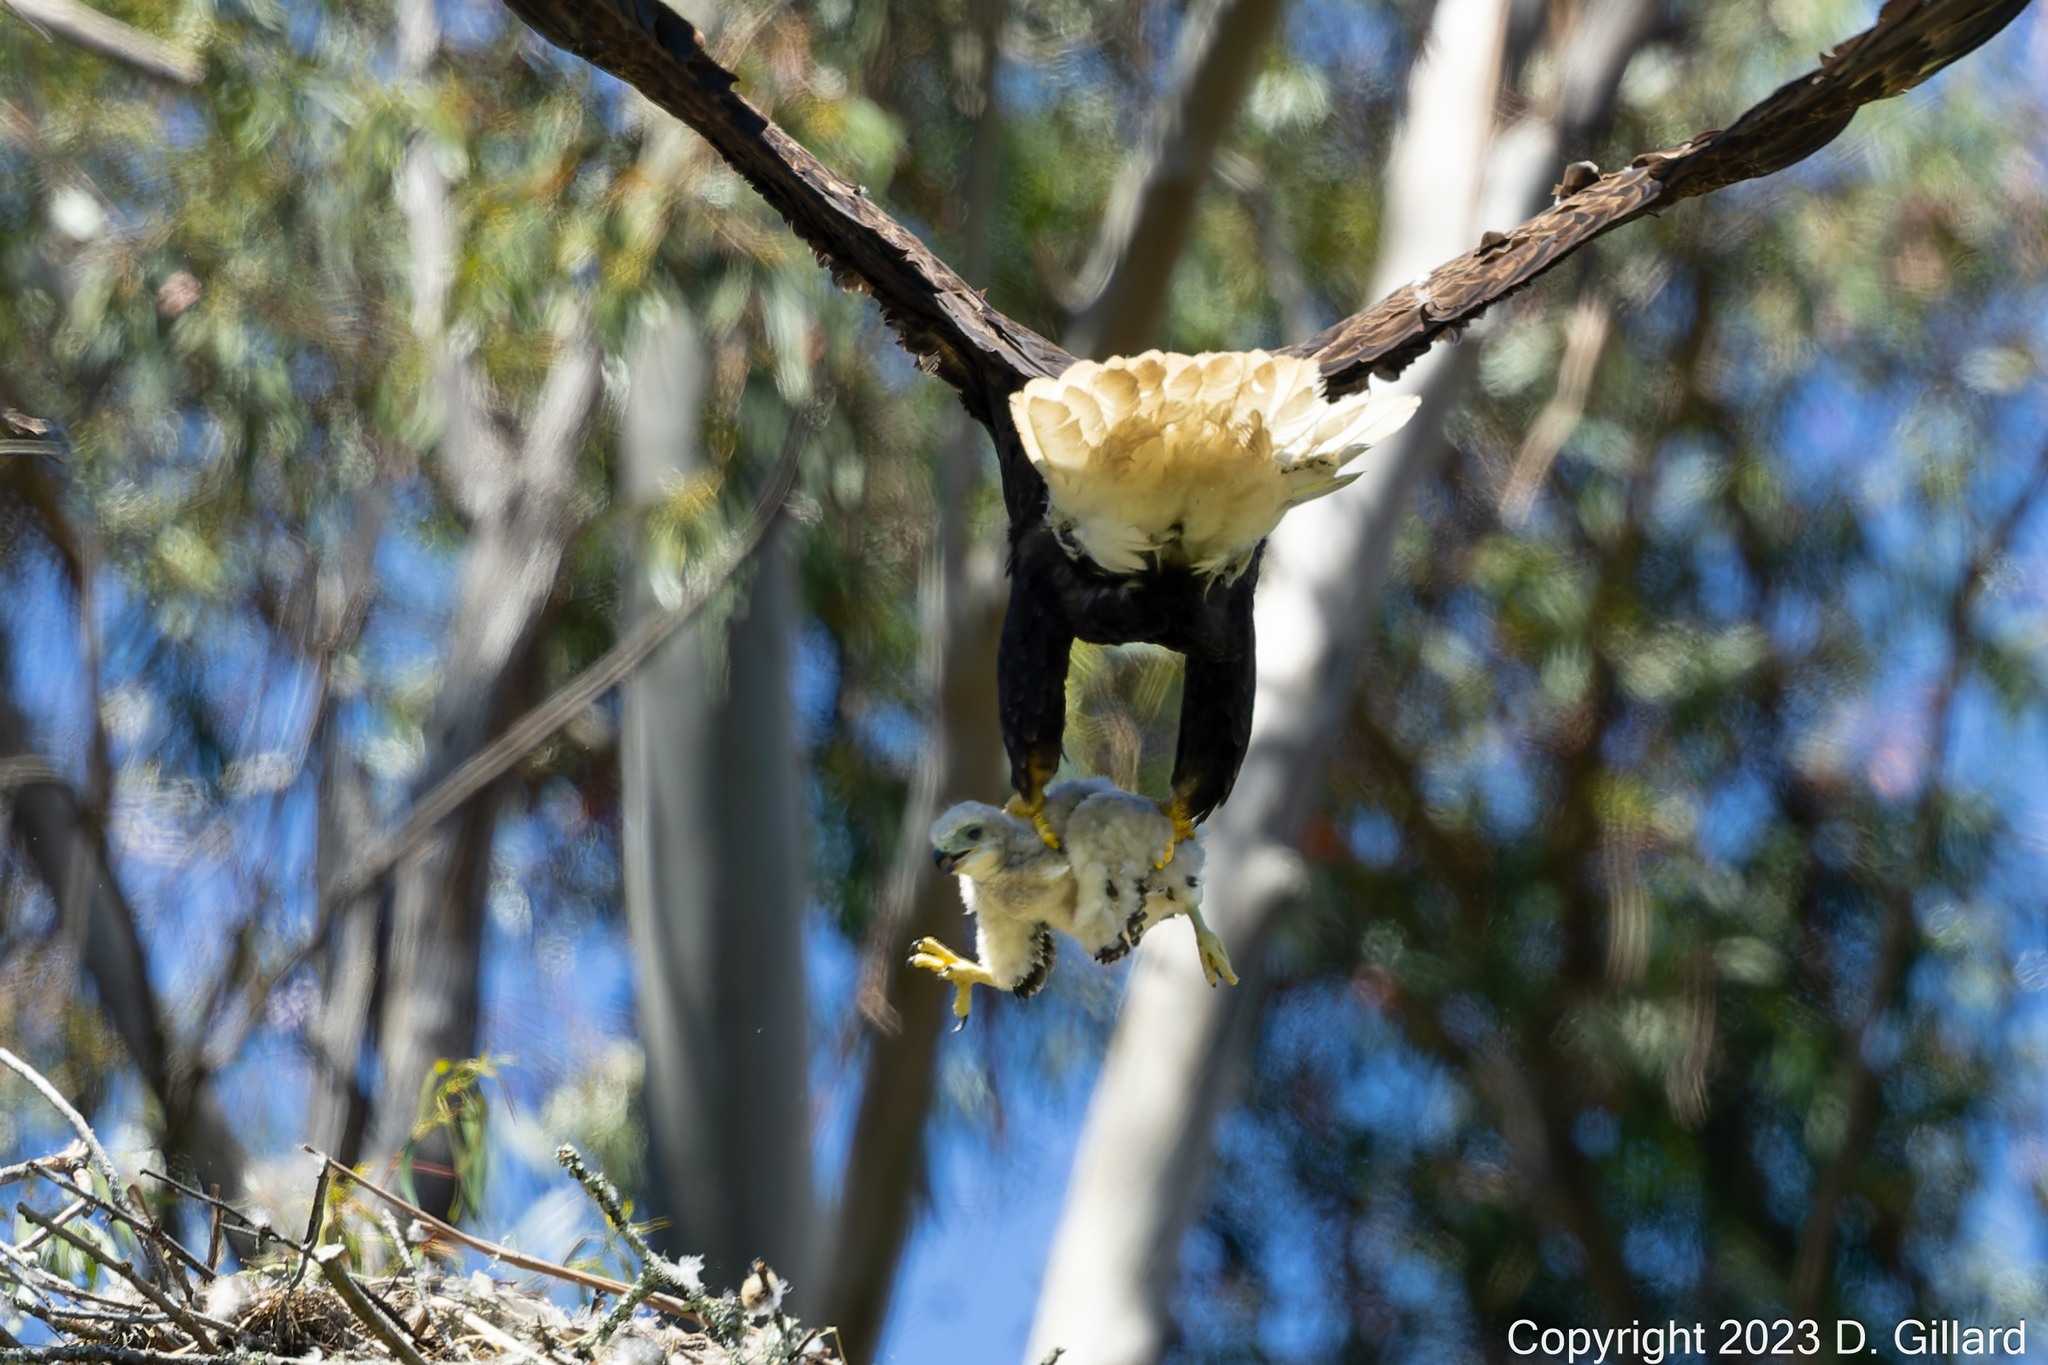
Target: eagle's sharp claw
{"x":1033,"y":809}
{"x":1183,"y":830}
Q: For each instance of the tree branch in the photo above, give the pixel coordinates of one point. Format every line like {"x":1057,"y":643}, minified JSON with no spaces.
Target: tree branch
{"x":520,"y":738}
{"x":1122,"y":287}
{"x":95,"y":32}
{"x":69,"y":854}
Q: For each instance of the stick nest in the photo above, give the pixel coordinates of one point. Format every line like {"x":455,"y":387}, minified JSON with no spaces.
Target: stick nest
{"x":90,"y":1273}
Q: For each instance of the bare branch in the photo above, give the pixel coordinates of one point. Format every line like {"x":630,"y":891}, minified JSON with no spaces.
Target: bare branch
{"x":68,"y":851}
{"x":517,"y":1259}
{"x":95,"y":32}
{"x":332,"y":1262}
{"x":75,"y":1119}
{"x":1122,"y":287}
{"x":148,"y":1229}
{"x":107,"y":1354}
{"x":184,"y":1316}
{"x":656,"y":1271}
{"x":530,"y":730}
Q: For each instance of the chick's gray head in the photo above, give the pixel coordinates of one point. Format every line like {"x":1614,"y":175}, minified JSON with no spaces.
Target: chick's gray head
{"x":978,"y":841}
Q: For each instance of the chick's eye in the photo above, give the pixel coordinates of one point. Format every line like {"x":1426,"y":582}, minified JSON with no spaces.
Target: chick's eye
{"x":972,"y":831}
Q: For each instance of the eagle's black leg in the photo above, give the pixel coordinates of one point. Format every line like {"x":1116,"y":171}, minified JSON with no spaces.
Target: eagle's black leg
{"x":1215,"y":717}
{"x":1215,"y":731}
{"x":1031,"y":692}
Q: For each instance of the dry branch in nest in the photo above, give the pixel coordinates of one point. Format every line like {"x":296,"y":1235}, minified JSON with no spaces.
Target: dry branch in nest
{"x":92,"y":1275}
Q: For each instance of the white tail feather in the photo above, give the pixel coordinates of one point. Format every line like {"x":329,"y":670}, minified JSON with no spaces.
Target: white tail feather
{"x":1166,"y":458}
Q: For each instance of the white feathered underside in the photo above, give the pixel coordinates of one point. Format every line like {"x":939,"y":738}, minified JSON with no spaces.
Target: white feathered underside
{"x":1006,"y":942}
{"x":1011,"y":906}
{"x":1112,"y":838}
{"x":1190,"y":459}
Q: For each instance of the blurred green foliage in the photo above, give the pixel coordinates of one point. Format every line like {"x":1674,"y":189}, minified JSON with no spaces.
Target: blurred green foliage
{"x":1671,"y":875}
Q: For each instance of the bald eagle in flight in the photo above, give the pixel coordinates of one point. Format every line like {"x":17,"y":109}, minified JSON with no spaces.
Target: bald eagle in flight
{"x":1140,"y":489}
{"x":1162,"y":475}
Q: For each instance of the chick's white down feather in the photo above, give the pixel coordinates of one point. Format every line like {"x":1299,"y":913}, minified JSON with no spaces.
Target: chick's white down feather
{"x":1112,"y":839}
{"x":1166,"y":459}
{"x":1100,"y":889}
{"x":1010,"y":882}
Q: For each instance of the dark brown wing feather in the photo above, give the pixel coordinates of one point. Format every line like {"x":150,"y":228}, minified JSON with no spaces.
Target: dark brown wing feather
{"x":1911,"y":40}
{"x":942,"y":319}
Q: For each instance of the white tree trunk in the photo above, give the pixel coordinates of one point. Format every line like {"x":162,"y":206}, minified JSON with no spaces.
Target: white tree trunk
{"x":714,"y":875}
{"x":1174,"y":1059}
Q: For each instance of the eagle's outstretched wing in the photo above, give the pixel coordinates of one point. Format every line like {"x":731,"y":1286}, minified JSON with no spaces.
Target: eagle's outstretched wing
{"x":948,"y":324}
{"x":942,"y":319}
{"x":1911,"y":40}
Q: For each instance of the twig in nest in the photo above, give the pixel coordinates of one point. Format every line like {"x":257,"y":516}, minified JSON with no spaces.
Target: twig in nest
{"x":27,"y":1273}
{"x":68,"y":1159}
{"x":656,"y":1271}
{"x":606,"y":1196}
{"x":74,"y":1118}
{"x":313,"y":1221}
{"x":64,"y":1215}
{"x":213,"y":1228}
{"x":329,"y":1259}
{"x":152,"y":1229}
{"x":517,"y":1259}
{"x":130,"y":1355}
{"x":184,"y":1316}
{"x":221,"y":1208}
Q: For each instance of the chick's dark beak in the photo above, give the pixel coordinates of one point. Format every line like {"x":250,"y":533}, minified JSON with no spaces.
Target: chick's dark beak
{"x":944,"y":861}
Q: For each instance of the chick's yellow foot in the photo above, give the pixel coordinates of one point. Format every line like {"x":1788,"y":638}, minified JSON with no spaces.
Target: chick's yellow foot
{"x":1034,"y":811}
{"x":1183,"y":829}
{"x":928,"y":954}
{"x":1215,"y":957}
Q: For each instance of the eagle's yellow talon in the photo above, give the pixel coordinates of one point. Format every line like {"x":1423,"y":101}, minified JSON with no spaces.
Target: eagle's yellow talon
{"x":1183,"y":830}
{"x":1034,"y":811}
{"x":1215,"y":957}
